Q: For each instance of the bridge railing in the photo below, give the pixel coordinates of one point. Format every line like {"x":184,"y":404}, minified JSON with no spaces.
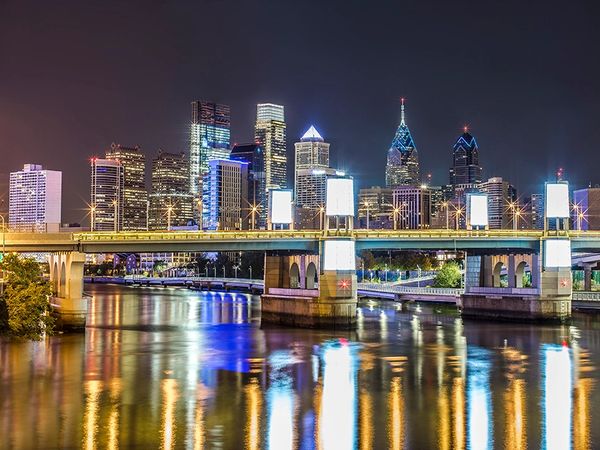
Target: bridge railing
{"x":376,"y":287}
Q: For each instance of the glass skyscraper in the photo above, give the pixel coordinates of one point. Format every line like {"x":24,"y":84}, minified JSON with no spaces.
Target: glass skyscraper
{"x":135,"y":195}
{"x":465,"y":168}
{"x":209,"y":139}
{"x":270,"y":134}
{"x":402,"y":166}
{"x":254,"y":156}
{"x":107,"y":188}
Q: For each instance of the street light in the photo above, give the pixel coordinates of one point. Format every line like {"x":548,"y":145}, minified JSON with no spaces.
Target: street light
{"x":253,"y":212}
{"x":321,"y":217}
{"x":367,"y":205}
{"x":169,"y":211}
{"x":396,"y":212}
{"x":116,"y":221}
{"x":445,"y":205}
{"x":92,"y":216}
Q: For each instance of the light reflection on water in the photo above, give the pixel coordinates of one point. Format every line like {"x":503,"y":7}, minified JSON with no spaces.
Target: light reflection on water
{"x":166,"y":368}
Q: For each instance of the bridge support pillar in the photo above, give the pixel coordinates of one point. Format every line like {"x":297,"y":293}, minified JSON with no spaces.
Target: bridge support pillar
{"x":66,"y":277}
{"x":587,"y":276}
{"x":291,"y":297}
{"x":547,"y":298}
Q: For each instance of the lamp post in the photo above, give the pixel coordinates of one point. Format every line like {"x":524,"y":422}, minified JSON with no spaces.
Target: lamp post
{"x":116,"y":214}
{"x":445,"y":205}
{"x":396,"y":212}
{"x":92,"y":217}
{"x":321,"y":217}
{"x":253,"y":212}
{"x":457,"y":215}
{"x":250,"y":271}
{"x":169,"y":211}
{"x":367,"y":205}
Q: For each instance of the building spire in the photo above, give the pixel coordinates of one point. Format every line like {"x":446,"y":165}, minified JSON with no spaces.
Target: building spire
{"x":402,"y":111}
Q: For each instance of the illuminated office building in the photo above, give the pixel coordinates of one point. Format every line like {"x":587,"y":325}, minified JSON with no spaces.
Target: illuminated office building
{"x":254,"y":156}
{"x":270,"y":135}
{"x":402,"y":166}
{"x":209,"y":139}
{"x":135,"y":195}
{"x":227,"y":184}
{"x":500,"y":195}
{"x":465,"y":168}
{"x":412,"y":207}
{"x":170,"y":197}
{"x":106,"y":201}
{"x":376,"y":203}
{"x":35,"y":199}
{"x":536,"y":208}
{"x":586,"y":209}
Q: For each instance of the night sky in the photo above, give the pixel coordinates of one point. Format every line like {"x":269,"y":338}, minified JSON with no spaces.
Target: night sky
{"x":525,"y":76}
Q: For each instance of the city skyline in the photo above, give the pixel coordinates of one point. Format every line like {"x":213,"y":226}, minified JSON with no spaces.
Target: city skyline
{"x":529,"y":107}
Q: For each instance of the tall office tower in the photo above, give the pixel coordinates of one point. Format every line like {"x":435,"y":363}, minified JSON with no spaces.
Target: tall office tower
{"x":375,"y":208}
{"x":209,"y":139}
{"x":171,"y":203}
{"x":107,"y":195}
{"x":501,"y":194}
{"x":269,"y":133}
{"x":465,"y":168}
{"x":586,"y":209}
{"x":402,"y":166}
{"x":4,"y":183}
{"x":438,"y":207}
{"x":536,"y":206}
{"x":35,"y":199}
{"x":227,"y":184}
{"x":254,"y":156}
{"x":413,"y":207}
{"x":135,"y":195}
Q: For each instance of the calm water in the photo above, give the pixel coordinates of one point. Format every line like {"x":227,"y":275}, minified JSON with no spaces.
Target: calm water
{"x":169,"y":368}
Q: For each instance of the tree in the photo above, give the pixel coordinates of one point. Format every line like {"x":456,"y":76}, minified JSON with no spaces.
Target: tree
{"x":448,"y":276}
{"x":26,"y":299}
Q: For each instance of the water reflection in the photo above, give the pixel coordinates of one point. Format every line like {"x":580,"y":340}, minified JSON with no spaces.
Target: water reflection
{"x":167,"y":368}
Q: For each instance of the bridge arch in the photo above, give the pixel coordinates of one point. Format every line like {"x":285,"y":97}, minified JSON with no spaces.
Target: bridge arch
{"x":497,"y":274}
{"x":54,"y":276}
{"x":62,"y":284}
{"x":520,"y":270}
{"x":294,"y":276}
{"x":311,"y":276}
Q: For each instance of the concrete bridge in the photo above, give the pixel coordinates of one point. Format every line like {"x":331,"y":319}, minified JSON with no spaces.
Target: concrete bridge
{"x":297,"y":285}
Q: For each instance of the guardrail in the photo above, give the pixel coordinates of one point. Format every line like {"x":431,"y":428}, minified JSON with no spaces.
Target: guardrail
{"x":586,"y":296}
{"x":374,"y":287}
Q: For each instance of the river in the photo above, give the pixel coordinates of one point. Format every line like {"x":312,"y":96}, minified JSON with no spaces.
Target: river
{"x":172,"y":368}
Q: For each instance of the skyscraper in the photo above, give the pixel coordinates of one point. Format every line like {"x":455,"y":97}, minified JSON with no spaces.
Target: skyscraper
{"x":209,"y":139}
{"x":254,"y":156}
{"x":170,"y":200}
{"x":536,"y":206}
{"x":135,"y":195}
{"x":375,"y":207}
{"x":106,"y":195}
{"x":500,"y":195}
{"x":310,"y":178}
{"x":402,"y":166}
{"x":412,"y":207}
{"x":465,"y":168}
{"x":35,"y":199}
{"x":269,"y":133}
{"x":586,"y":209}
{"x":227,"y":184}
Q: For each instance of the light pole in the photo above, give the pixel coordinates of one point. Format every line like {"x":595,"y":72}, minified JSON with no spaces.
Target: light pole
{"x":513,"y":209}
{"x":457,"y":215}
{"x":235,"y":269}
{"x":169,"y":212}
{"x":367,"y":205}
{"x":116,"y":213}
{"x":223,"y":270}
{"x":253,"y":212}
{"x":445,"y":206}
{"x":396,"y":212}
{"x":92,"y":217}
{"x":321,"y":217}
{"x":250,"y":271}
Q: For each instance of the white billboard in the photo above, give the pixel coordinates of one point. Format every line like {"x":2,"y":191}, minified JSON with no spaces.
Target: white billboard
{"x":557,"y":200}
{"x":340,"y":197}
{"x":557,"y":253}
{"x":477,"y":210}
{"x":339,"y":255}
{"x":280,"y":202}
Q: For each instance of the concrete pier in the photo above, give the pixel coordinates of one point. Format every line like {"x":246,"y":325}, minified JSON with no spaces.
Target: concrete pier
{"x":69,"y":302}
{"x":296,"y":294}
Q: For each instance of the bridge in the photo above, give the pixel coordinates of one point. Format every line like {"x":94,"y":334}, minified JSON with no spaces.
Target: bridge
{"x":499,"y":241}
{"x":295,"y":259}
